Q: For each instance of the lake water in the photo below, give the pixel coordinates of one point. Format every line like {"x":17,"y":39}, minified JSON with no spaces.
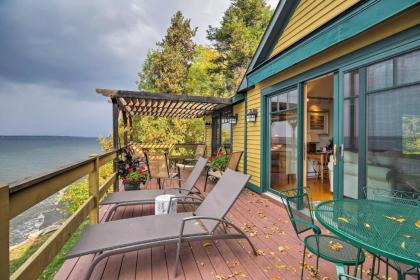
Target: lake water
{"x":25,"y":156}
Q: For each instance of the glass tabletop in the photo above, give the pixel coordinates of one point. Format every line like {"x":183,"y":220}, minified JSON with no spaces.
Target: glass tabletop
{"x":387,"y":229}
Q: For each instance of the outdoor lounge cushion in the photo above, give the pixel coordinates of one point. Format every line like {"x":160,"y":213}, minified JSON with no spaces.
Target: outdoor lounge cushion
{"x":123,"y":233}
{"x":141,"y":196}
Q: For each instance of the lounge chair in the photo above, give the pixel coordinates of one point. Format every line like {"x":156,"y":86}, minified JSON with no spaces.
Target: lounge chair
{"x":116,"y":237}
{"x":189,"y":192}
{"x":233,"y":164}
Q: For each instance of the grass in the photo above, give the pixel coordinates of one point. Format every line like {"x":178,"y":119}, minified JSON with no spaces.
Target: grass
{"x":21,"y":253}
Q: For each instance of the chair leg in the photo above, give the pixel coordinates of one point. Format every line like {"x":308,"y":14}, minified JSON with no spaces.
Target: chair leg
{"x":207,"y":177}
{"x":178,"y":251}
{"x":303,"y":262}
{"x":159,"y":183}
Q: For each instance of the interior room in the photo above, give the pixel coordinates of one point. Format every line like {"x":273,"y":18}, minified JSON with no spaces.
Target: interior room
{"x":319,"y":94}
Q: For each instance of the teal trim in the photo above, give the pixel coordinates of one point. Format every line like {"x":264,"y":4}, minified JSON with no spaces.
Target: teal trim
{"x":246,"y":136}
{"x":337,"y":120}
{"x":360,"y":19}
{"x":237,"y":98}
{"x":265,"y":149}
{"x":362,"y":133}
{"x":278,"y":22}
{"x":404,"y":41}
{"x":300,"y":136}
{"x":253,"y":187}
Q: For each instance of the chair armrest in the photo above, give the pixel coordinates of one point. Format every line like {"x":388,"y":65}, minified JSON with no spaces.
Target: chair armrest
{"x":314,"y":227}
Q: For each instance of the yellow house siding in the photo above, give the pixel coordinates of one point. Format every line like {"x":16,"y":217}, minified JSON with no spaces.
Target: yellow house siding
{"x":208,"y":136}
{"x":386,"y":29}
{"x":253,"y":138}
{"x":239,"y":132}
{"x":308,"y":16}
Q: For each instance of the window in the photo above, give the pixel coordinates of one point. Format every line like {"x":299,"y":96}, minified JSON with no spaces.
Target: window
{"x":393,"y":124}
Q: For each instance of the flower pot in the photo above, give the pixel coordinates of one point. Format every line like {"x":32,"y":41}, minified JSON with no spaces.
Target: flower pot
{"x":131,"y":186}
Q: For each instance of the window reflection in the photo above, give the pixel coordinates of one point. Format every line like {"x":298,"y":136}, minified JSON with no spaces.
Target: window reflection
{"x":283,"y":133}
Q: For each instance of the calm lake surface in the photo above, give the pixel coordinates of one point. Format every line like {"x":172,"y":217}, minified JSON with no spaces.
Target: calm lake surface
{"x":25,"y":156}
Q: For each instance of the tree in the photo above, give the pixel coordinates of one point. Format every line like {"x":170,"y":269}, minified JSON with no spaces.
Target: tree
{"x":200,"y":82}
{"x":237,"y":38}
{"x":166,"y":69}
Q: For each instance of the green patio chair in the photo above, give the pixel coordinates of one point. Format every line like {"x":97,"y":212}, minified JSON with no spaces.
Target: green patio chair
{"x":341,"y":275}
{"x":327,"y":247}
{"x":397,"y":197}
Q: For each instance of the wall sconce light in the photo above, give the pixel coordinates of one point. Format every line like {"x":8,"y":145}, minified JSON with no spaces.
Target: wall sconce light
{"x":251,"y":116}
{"x":232,"y":119}
{"x":207,"y":124}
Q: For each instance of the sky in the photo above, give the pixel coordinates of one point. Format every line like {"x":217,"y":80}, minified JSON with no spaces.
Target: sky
{"x":55,"y":53}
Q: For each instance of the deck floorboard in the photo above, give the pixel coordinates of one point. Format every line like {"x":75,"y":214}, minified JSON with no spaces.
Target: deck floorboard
{"x":280,"y":250}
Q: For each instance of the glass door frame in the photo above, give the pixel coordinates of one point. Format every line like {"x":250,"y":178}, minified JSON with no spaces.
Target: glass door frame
{"x":267,"y":144}
{"x":301,"y":119}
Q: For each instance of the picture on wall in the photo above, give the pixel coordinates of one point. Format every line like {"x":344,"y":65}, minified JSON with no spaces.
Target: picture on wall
{"x":318,"y":122}
{"x":411,"y":135}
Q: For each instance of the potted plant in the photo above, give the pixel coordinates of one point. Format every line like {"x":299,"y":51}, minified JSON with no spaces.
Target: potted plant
{"x":134,"y":177}
{"x":219,"y":161}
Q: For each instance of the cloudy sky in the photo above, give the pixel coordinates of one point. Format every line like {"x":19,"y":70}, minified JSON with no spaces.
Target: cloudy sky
{"x":54,"y":53}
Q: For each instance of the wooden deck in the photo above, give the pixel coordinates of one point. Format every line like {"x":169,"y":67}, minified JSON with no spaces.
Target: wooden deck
{"x":264,"y":219}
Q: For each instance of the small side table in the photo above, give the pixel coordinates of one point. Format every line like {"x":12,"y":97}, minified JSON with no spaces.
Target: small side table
{"x":162,"y":204}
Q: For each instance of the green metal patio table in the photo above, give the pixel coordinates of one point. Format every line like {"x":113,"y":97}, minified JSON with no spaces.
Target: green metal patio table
{"x":385,"y":229}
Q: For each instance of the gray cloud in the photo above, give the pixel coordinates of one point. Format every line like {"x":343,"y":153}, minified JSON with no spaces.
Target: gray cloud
{"x":54,"y":53}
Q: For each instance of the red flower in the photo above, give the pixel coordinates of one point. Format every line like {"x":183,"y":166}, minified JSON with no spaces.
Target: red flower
{"x":142,"y":168}
{"x":130,"y":169}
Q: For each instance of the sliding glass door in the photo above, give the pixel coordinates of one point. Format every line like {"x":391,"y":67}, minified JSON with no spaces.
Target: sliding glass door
{"x":283,"y":140}
{"x":381,"y":126}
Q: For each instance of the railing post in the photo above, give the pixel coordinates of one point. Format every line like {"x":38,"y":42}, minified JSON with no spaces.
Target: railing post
{"x":4,"y":231}
{"x":94,"y":190}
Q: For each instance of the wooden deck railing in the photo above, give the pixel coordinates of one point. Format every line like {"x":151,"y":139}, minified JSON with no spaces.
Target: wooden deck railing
{"x":20,"y":196}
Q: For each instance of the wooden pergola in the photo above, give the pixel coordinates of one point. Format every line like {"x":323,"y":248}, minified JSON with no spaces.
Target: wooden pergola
{"x":167,"y":105}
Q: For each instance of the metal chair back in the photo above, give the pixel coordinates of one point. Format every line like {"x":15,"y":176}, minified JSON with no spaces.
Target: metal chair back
{"x":393,"y":196}
{"x":299,"y":209}
{"x":219,"y":201}
{"x":157,"y":165}
{"x":195,"y":173}
{"x":234,"y":159}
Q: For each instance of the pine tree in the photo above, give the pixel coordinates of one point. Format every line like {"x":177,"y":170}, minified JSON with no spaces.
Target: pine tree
{"x":166,"y":69}
{"x":237,"y":38}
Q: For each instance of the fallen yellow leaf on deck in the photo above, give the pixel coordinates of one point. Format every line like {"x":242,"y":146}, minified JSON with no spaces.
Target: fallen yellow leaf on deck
{"x":260,"y":252}
{"x":407,"y":236}
{"x":343,"y":219}
{"x":280,"y":248}
{"x":207,"y":244}
{"x":418,"y":224}
{"x":232,"y":264}
{"x":275,"y":278}
{"x":280,"y":266}
{"x":402,"y":245}
{"x":367,"y":226}
{"x":418,"y":254}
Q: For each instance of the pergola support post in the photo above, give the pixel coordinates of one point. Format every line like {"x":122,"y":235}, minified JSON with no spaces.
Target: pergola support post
{"x":115,"y":115}
{"x":124,"y":115}
{"x":130,"y":125}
